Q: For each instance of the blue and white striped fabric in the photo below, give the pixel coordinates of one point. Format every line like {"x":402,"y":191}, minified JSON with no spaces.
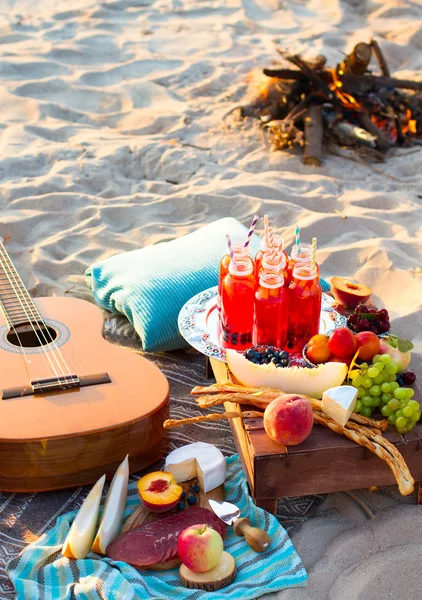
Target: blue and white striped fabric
{"x":41,"y":573}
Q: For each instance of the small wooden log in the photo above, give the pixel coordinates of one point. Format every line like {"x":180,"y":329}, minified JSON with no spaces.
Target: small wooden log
{"x":313,"y":136}
{"x":219,"y":577}
{"x":366,"y":123}
{"x":358,"y":60}
{"x":380,"y":58}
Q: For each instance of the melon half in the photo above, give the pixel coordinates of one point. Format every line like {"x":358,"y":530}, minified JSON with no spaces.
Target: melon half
{"x":290,"y":380}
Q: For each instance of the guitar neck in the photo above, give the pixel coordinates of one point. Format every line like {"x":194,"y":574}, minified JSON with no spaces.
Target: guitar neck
{"x":16,"y":304}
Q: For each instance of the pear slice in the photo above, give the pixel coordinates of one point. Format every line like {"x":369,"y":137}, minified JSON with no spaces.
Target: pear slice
{"x":114,"y":507}
{"x":79,"y":539}
{"x":219,"y":577}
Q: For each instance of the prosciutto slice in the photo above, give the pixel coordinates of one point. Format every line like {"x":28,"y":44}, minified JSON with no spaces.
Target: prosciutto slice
{"x":156,"y":542}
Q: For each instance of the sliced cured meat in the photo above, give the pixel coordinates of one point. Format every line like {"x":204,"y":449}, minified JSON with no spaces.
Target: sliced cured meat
{"x":156,"y":542}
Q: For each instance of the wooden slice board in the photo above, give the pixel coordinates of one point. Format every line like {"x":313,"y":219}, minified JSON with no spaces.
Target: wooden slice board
{"x":142,"y":516}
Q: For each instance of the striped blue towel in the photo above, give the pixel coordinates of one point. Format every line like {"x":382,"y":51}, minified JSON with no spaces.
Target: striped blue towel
{"x":41,"y":573}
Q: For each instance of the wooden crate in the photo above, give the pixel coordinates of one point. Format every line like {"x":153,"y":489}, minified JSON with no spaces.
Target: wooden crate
{"x":324,"y":462}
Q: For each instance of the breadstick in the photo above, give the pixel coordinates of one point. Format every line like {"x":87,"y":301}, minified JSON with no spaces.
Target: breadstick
{"x":249,"y":414}
{"x":399,"y":468}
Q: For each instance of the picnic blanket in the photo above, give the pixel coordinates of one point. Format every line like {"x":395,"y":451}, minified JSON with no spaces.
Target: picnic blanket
{"x":40,"y":572}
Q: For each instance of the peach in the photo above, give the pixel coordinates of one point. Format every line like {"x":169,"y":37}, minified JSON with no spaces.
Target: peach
{"x":288,"y":419}
{"x":342,"y":342}
{"x":348,"y":293}
{"x":200,"y":548}
{"x":368,"y":344}
{"x":159,"y":491}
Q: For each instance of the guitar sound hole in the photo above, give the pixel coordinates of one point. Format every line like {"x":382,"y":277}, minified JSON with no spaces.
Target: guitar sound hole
{"x":31,"y":336}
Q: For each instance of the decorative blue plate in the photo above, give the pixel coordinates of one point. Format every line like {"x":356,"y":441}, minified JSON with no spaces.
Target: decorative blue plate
{"x":198,"y":322}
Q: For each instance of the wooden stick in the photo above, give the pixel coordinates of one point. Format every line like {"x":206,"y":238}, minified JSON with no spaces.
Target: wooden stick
{"x":358,"y":60}
{"x":380,"y":58}
{"x":315,"y":79}
{"x":249,"y":414}
{"x":366,"y":122}
{"x":314,"y":132}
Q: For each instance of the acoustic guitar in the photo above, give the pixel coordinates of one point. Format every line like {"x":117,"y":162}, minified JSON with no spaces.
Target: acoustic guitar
{"x":73,"y":405}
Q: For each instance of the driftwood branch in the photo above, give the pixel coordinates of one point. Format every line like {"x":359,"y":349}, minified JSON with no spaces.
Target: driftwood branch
{"x":380,"y":58}
{"x":314,"y":131}
{"x":366,"y":123}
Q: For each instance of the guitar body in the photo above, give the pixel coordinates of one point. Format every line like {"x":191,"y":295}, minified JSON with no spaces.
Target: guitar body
{"x":71,"y":437}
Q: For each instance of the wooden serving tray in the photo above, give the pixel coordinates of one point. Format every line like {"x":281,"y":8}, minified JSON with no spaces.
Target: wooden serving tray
{"x":142,"y":516}
{"x":325,"y":462}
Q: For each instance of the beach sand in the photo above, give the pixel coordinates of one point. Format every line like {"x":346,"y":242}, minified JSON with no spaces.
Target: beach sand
{"x":117,"y":131}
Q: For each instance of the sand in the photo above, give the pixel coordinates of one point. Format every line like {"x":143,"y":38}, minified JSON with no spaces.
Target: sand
{"x":118,"y":131}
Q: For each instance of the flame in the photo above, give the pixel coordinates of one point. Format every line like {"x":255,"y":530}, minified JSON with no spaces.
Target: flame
{"x":410,"y":125}
{"x":346,"y":99}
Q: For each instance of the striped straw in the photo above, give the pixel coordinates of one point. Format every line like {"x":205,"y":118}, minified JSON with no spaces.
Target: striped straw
{"x":231,"y":251}
{"x":266,"y":228}
{"x":297,"y":236}
{"x":313,"y":255}
{"x":251,"y":230}
{"x":271,"y":244}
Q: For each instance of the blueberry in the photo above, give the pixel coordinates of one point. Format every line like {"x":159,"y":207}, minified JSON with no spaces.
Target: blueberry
{"x":249,"y":354}
{"x":183,"y":494}
{"x":284,"y":354}
{"x":270,"y":356}
{"x":180,"y":505}
{"x":277,"y":354}
{"x":265,"y":361}
{"x":275,"y":360}
{"x":192,"y":500}
{"x":284,"y":362}
{"x":195,"y":488}
{"x":278,"y":365}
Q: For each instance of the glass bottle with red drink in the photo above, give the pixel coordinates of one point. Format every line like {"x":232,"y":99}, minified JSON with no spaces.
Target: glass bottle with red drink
{"x":271,"y":307}
{"x":237,"y":304}
{"x":305,"y":296}
{"x":265,"y":249}
{"x":239,"y":252}
{"x":300,"y":255}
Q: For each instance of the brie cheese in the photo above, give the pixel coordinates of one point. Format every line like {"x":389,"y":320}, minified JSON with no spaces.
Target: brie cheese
{"x":339,"y":403}
{"x":201,"y":460}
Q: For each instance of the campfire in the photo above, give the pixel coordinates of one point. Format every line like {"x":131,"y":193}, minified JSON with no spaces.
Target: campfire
{"x":314,"y":106}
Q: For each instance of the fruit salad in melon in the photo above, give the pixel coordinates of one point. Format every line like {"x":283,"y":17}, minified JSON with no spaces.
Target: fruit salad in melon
{"x":291,"y":380}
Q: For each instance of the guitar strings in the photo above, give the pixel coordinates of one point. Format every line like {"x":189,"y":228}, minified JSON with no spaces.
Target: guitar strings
{"x":45,"y":356}
{"x":21,"y":348}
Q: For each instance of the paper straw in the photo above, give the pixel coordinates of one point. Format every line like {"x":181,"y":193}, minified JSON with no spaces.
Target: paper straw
{"x":271,"y":244}
{"x":297,"y":236}
{"x":266,"y":228}
{"x":231,"y":251}
{"x":313,"y":255}
{"x":251,"y":230}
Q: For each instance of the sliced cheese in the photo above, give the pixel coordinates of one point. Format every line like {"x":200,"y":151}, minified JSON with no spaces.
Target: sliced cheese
{"x":114,"y":507}
{"x":81,"y":534}
{"x":339,"y":403}
{"x":201,"y":460}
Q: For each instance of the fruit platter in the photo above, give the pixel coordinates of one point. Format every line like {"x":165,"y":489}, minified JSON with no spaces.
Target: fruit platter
{"x":309,"y":405}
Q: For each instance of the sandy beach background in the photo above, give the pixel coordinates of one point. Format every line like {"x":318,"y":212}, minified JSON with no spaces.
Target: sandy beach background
{"x":116,"y":132}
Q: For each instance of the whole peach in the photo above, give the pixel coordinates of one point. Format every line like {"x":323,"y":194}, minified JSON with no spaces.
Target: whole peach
{"x":288,"y":420}
{"x":200,"y":548}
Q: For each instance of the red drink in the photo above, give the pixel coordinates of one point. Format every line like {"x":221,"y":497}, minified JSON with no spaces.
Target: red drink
{"x":305,"y":306}
{"x":300,"y":255}
{"x":237,"y":305}
{"x":240,"y":252}
{"x":271,"y":308}
{"x":264,"y":249}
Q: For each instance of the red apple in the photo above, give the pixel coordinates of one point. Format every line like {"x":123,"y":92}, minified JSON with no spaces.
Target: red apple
{"x":389,"y":345}
{"x":288,"y":420}
{"x":368,"y":344}
{"x":342,"y":342}
{"x":348,"y":293}
{"x":200,"y":548}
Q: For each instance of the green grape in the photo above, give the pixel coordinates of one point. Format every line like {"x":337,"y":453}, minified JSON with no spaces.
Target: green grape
{"x":394,"y":404}
{"x":401,"y":431}
{"x":376,"y":358}
{"x":399,"y":413}
{"x":378,"y":366}
{"x":361,"y":392}
{"x":377,"y":401}
{"x":367,"y":382}
{"x":367,"y":401}
{"x":366,"y":411}
{"x":391,"y":368}
{"x":357,"y":381}
{"x":386,"y":410}
{"x":416,"y":416}
{"x":386,"y":387}
{"x":373,"y":372}
{"x":358,"y":406}
{"x":400,"y":423}
{"x":390,"y":378}
{"x":385,"y":359}
{"x":399,"y":393}
{"x":386,"y":397}
{"x":392,"y":419}
{"x":378,"y":379}
{"x":375,"y":390}
{"x":404,"y":403}
{"x":407,"y":411}
{"x":364,"y":366}
{"x":394,"y":385}
{"x":414,"y":404}
{"x":410,"y":393}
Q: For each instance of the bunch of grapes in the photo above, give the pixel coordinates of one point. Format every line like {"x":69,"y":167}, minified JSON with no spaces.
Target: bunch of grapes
{"x":367,"y":318}
{"x":378,"y":388}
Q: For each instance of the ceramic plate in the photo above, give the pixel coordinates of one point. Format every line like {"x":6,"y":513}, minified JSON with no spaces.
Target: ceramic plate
{"x":198,"y":322}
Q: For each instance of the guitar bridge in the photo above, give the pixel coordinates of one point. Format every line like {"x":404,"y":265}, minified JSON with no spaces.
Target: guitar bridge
{"x":55,"y":384}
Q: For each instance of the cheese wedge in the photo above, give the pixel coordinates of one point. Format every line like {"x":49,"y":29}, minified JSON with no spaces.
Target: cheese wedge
{"x":79,"y":539}
{"x":201,"y":460}
{"x":112,"y":516}
{"x":339,"y":403}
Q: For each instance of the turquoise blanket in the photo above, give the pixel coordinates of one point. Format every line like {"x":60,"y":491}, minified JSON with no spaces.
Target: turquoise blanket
{"x":41,"y":573}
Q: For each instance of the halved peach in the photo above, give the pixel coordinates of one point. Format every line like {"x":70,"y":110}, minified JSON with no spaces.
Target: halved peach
{"x":348,"y":293}
{"x":159,"y":491}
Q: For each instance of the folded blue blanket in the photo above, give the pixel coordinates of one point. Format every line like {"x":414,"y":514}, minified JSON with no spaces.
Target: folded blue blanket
{"x":41,"y":572}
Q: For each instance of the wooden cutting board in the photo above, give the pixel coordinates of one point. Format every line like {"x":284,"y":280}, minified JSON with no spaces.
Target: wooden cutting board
{"x":142,"y":516}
